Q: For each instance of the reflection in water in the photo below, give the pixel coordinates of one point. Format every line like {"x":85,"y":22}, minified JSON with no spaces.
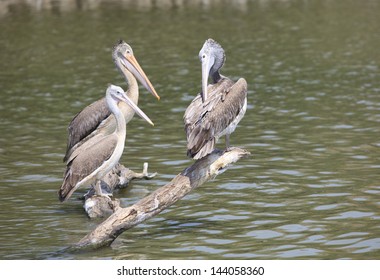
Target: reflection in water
{"x":310,"y":188}
{"x":62,"y":6}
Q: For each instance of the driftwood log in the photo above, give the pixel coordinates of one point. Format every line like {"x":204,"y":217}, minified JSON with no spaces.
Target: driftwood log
{"x":190,"y":178}
{"x":119,"y":177}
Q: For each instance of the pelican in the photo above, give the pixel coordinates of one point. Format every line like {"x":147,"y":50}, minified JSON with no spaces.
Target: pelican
{"x":95,"y":120}
{"x":219,"y":107}
{"x":89,"y":167}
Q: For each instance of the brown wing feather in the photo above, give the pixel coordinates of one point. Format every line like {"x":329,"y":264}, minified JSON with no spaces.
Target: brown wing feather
{"x":85,"y":163}
{"x":84,"y":145}
{"x":85,"y":122}
{"x":205,"y":121}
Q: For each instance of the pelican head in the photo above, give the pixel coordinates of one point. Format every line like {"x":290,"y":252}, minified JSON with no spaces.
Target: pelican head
{"x":212,"y":58}
{"x":125,"y":60}
{"x":115,"y":94}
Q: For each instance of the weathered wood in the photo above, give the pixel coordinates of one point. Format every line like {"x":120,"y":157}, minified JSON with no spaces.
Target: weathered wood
{"x":192,"y":177}
{"x":119,"y":177}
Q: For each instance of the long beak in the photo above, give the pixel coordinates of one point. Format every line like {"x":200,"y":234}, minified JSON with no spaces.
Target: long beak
{"x":206,"y":66}
{"x":126,"y":99}
{"x":130,"y":63}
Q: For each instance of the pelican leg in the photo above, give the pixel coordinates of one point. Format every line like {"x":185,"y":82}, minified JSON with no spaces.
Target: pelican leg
{"x":98,"y":190}
{"x":227,"y":142}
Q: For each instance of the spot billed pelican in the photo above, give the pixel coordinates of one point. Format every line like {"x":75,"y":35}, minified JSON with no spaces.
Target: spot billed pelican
{"x":95,"y":119}
{"x":219,"y":107}
{"x":90,"y":166}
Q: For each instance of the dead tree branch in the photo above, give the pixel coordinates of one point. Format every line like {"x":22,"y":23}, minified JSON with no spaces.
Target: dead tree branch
{"x":119,"y":177}
{"x":192,"y":177}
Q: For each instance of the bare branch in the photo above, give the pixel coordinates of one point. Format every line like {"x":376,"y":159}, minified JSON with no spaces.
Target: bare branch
{"x":192,"y":177}
{"x":119,"y":177}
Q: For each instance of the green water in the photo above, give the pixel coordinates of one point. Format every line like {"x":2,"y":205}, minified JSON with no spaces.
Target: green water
{"x":310,"y":189}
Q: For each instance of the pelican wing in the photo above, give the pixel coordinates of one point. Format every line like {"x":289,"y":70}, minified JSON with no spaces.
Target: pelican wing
{"x":85,"y":122}
{"x":84,"y":145}
{"x":85,"y":163}
{"x":205,"y":122}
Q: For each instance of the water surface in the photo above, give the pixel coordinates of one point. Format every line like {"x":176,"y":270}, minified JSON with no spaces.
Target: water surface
{"x":310,"y":189}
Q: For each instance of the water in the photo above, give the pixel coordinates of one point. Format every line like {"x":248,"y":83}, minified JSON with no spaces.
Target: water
{"x":311,"y":188}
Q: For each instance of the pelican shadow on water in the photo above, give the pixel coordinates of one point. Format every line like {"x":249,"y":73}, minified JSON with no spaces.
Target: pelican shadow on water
{"x":219,"y":107}
{"x":89,"y":167}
